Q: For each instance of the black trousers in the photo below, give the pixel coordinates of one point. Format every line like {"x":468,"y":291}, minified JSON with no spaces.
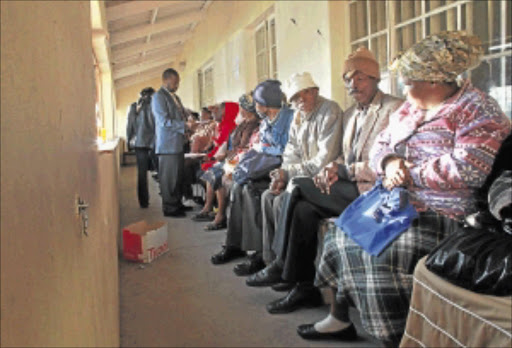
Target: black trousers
{"x":154,"y":161}
{"x":143,"y":157}
{"x":297,"y":233}
{"x":171,"y":170}
{"x":192,"y":165}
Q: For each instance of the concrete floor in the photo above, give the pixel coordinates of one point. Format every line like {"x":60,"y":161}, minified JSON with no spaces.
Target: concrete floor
{"x":181,"y":299}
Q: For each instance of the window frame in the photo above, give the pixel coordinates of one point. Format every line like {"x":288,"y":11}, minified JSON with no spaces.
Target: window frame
{"x":393,"y":26}
{"x":270,"y":46}
{"x":206,"y":88}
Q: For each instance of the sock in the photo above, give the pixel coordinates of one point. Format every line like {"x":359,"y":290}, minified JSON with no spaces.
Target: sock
{"x":331,"y":324}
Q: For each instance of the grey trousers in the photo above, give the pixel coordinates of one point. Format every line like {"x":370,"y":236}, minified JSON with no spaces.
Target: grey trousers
{"x":271,"y":208}
{"x":304,"y":189}
{"x":244,"y":222}
{"x":170,"y":171}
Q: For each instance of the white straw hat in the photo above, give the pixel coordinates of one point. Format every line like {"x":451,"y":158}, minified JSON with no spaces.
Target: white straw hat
{"x":298,"y":82}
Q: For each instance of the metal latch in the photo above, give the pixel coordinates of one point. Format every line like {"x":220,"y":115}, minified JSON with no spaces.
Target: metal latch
{"x":82,"y":207}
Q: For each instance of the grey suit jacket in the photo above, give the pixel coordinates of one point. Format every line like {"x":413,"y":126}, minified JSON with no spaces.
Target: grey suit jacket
{"x":169,"y":124}
{"x":377,"y":118}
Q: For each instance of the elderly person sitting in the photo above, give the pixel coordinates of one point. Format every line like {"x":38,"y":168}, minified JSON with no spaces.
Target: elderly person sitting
{"x":339,"y":183}
{"x":440,"y":144}
{"x":314,"y":140}
{"x":238,"y":144}
{"x":273,"y":137}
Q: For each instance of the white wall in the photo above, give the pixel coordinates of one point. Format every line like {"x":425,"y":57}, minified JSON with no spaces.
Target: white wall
{"x":299,"y":47}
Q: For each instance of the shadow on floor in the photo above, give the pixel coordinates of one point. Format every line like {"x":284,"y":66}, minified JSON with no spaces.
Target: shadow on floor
{"x":181,"y":299}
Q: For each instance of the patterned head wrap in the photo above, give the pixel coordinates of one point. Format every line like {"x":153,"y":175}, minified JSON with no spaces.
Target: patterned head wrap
{"x":439,"y":57}
{"x":247,"y":103}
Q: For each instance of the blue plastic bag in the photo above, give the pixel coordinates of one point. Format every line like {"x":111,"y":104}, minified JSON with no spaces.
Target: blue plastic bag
{"x":377,"y":217}
{"x":255,"y":165}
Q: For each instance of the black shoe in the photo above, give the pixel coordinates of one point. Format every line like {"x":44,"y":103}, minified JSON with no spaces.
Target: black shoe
{"x":269,"y":275}
{"x":250,"y":266}
{"x":308,"y":332}
{"x":298,"y":297}
{"x":280,"y":287}
{"x":186,"y":208}
{"x":198,"y":200}
{"x":227,"y":254}
{"x":176,"y":214}
{"x":144,"y":206}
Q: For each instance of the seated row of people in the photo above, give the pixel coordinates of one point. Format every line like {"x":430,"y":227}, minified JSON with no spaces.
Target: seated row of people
{"x":439,"y":144}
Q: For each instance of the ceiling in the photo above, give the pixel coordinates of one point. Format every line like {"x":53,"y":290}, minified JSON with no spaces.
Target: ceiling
{"x":146,"y":37}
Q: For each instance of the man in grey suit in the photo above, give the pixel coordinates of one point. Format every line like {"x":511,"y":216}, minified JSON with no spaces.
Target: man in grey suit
{"x":170,"y":124}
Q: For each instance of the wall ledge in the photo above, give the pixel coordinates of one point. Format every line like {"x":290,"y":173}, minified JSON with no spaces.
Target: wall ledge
{"x":108,"y":146}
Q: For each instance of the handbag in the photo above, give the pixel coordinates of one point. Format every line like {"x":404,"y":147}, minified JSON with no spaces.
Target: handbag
{"x":475,"y":259}
{"x":255,"y":165}
{"x":377,"y":217}
{"x":479,"y":257}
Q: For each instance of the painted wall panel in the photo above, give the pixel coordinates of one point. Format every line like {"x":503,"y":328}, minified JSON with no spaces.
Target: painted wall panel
{"x":58,"y":287}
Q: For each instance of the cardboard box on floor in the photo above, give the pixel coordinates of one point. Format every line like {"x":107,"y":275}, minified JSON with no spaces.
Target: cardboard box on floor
{"x":143,"y":242}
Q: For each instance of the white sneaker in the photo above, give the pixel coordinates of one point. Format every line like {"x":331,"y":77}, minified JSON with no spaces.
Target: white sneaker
{"x":190,"y":203}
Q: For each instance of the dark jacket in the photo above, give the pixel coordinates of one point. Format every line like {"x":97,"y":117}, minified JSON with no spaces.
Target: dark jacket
{"x":130,"y":126}
{"x":145,"y":126}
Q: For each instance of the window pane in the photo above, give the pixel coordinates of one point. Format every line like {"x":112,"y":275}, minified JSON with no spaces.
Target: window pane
{"x":408,"y":35}
{"x":478,"y":14}
{"x":496,"y":23}
{"x":486,"y":17}
{"x":436,"y":23}
{"x":274,"y":60}
{"x":379,"y":15}
{"x":380,"y":50}
{"x":502,"y":94}
{"x":508,"y":39}
{"x":261,"y":41}
{"x":488,"y":77}
{"x":433,"y":4}
{"x":262,"y":66}
{"x":451,"y":19}
{"x":405,"y":10}
{"x":463,"y":25}
{"x":272,"y":28}
{"x":359,"y":27}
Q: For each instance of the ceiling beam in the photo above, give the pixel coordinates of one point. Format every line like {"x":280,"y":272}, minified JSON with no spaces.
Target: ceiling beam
{"x":147,"y":29}
{"x":158,"y":55}
{"x":137,"y":68}
{"x":135,"y":7}
{"x":123,"y":53}
{"x":142,"y":77}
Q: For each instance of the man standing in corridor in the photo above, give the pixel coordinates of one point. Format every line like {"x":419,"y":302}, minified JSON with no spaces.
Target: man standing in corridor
{"x":170,"y":126}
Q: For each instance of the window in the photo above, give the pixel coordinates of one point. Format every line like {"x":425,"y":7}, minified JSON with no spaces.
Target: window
{"x":388,"y":27}
{"x":266,"y":50}
{"x":205,"y":80}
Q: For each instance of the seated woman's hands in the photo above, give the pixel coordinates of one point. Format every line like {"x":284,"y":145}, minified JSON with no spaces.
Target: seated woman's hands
{"x":397,"y":173}
{"x":327,"y":177}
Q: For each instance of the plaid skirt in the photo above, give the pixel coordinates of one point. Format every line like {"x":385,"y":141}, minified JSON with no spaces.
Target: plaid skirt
{"x":380,"y":287}
{"x":214,"y":175}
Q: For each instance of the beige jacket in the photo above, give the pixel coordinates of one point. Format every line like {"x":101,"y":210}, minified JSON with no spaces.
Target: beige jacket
{"x":314,"y":139}
{"x":377,"y":118}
